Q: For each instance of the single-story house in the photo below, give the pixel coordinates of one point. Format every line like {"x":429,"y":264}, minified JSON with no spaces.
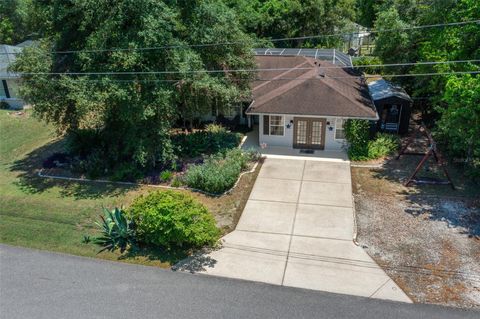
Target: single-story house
{"x":9,"y":80}
{"x":393,"y":106}
{"x":305,"y":103}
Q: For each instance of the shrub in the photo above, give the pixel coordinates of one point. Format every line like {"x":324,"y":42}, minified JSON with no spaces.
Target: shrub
{"x":171,"y":219}
{"x":215,"y":129}
{"x":177,"y":182}
{"x":357,"y":135}
{"x":383,"y":145}
{"x":213,"y":139}
{"x":166,"y":176}
{"x":219,"y":172}
{"x":357,"y":132}
{"x":4,"y":105}
{"x":93,"y":165}
{"x":83,"y":142}
{"x":126,"y":172}
{"x":117,"y":231}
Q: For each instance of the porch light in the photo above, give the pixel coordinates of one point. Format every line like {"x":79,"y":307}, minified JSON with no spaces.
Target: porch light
{"x":289,"y":125}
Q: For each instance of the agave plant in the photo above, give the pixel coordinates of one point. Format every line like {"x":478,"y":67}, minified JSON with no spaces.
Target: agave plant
{"x":117,"y":230}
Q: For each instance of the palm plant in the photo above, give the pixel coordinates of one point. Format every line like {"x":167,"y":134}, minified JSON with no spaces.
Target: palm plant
{"x":117,"y":231}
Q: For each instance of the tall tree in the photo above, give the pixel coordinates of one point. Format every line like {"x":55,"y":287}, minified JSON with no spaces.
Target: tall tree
{"x":460,"y":120}
{"x":20,"y":20}
{"x":119,"y":119}
{"x":295,"y":18}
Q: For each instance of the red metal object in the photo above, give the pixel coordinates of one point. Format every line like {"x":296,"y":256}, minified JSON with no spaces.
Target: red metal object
{"x":432,"y":150}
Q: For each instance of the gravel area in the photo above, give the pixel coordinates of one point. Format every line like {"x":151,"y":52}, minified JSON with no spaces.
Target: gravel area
{"x":430,"y":245}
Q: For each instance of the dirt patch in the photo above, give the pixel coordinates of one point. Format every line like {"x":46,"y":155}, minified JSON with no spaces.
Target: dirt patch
{"x":426,"y":238}
{"x":18,"y":114}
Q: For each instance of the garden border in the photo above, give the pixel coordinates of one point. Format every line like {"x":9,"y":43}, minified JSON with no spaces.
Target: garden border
{"x":104,"y":181}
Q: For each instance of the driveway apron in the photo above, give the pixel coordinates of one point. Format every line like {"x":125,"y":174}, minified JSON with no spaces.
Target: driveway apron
{"x":296,"y":230}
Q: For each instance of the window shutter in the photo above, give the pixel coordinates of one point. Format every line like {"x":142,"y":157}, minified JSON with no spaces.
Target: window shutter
{"x":5,"y":89}
{"x":266,"y":125}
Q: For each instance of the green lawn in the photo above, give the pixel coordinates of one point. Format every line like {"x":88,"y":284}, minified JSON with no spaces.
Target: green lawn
{"x":48,"y":214}
{"x":55,"y":215}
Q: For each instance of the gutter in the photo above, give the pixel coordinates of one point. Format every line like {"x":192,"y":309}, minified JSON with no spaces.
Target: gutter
{"x":376,"y":118}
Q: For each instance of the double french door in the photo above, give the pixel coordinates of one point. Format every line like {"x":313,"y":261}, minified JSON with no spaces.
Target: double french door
{"x":309,"y":133}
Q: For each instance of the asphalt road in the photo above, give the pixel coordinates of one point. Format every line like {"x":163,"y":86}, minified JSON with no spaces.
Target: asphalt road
{"x":36,"y":284}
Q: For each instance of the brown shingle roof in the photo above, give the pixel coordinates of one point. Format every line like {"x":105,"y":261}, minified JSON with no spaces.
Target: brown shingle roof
{"x":339,"y":92}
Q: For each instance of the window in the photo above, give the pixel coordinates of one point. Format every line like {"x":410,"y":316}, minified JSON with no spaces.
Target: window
{"x":339,"y":130}
{"x":273,"y":125}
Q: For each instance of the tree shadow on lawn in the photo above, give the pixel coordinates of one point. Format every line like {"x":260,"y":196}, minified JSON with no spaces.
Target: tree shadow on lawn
{"x":30,"y":182}
{"x":458,"y":208}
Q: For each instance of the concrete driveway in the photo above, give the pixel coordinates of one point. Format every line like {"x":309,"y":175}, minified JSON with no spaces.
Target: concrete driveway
{"x":297,"y":229}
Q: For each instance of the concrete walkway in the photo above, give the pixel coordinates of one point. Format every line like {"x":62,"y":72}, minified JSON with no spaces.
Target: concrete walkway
{"x":296,"y":230}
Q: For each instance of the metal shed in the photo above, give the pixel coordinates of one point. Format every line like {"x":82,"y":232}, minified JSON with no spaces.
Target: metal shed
{"x":393,"y":106}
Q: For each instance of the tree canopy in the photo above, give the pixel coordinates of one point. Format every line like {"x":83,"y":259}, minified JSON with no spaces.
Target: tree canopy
{"x":126,"y":118}
{"x":445,"y":98}
{"x":295,"y":18}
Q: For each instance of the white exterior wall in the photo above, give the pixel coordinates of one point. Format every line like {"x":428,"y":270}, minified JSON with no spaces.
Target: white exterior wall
{"x":14,"y":101}
{"x":330,"y":142}
{"x":287,"y":139}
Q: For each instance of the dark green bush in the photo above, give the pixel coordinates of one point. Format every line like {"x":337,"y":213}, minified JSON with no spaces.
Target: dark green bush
{"x":4,"y":105}
{"x":171,"y":219}
{"x":361,"y":148}
{"x":212,"y":140}
{"x":83,"y":142}
{"x":126,"y":172}
{"x":93,"y":165}
{"x":357,"y":134}
{"x":219,"y":172}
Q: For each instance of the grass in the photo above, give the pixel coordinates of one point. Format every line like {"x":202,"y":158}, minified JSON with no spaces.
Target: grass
{"x":55,"y":215}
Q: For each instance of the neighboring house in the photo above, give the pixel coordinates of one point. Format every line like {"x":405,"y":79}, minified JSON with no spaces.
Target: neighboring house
{"x":305,"y":104}
{"x":393,"y":106}
{"x":9,"y":80}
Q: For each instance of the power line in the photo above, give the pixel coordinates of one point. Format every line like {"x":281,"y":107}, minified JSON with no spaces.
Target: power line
{"x":319,"y":36}
{"x":264,"y":79}
{"x":247,"y":70}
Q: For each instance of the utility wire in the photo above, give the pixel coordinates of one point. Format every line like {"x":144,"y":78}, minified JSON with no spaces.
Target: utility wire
{"x":319,"y":36}
{"x":246,"y":70}
{"x":272,"y":79}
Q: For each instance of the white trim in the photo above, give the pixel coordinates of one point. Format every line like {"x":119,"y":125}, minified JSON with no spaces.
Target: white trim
{"x":319,"y":116}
